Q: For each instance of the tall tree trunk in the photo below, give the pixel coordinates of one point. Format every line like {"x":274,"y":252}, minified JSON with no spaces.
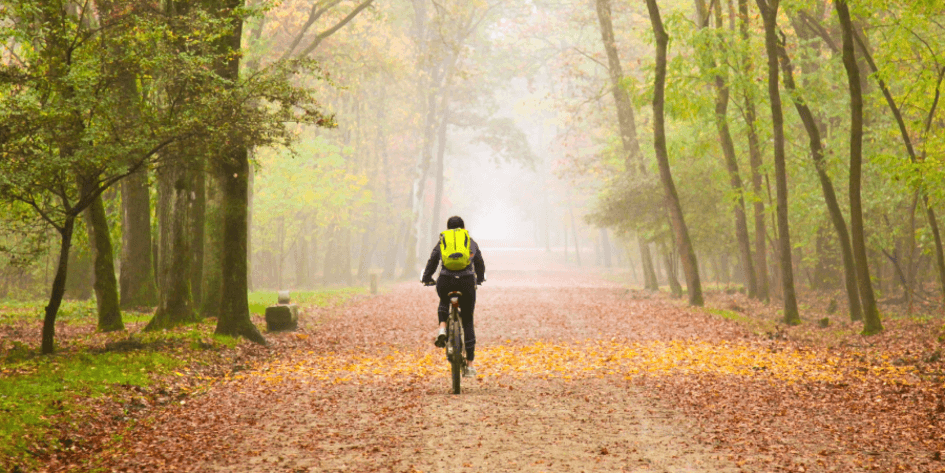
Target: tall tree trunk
{"x":249,"y":221}
{"x":577,"y":248}
{"x":233,"y":167}
{"x":872,"y":324}
{"x":198,"y":220}
{"x":58,"y":287}
{"x":212,"y":282}
{"x":830,"y":197}
{"x":627,"y":123}
{"x":769,"y":13}
{"x":367,"y":254}
{"x":683,"y":243}
{"x":731,"y":165}
{"x":106,"y":287}
{"x":234,"y":318}
{"x":175,"y":305}
{"x":440,"y":157}
{"x":605,"y":247}
{"x":669,"y":262}
{"x":301,"y":261}
{"x":137,"y":273}
{"x":755,"y":161}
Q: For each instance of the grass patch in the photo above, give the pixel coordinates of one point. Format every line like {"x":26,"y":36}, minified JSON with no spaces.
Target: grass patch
{"x":259,"y":300}
{"x":48,"y":388}
{"x":728,"y":314}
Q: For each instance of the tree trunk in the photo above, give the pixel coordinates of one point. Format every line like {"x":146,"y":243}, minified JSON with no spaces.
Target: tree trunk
{"x":249,"y":221}
{"x":755,"y":161}
{"x":440,"y":157}
{"x":58,"y":287}
{"x":872,"y":324}
{"x":234,"y":302}
{"x":212,"y":282}
{"x":731,"y":165}
{"x":769,"y":13}
{"x":137,"y":273}
{"x":233,"y":166}
{"x":106,"y":287}
{"x":683,"y":243}
{"x":175,"y":305}
{"x":830,"y":197}
{"x":301,"y":261}
{"x":605,"y":247}
{"x":577,"y":248}
{"x":650,"y":282}
{"x":671,"y":276}
{"x":627,"y":123}
{"x":198,"y":219}
{"x":367,"y":254}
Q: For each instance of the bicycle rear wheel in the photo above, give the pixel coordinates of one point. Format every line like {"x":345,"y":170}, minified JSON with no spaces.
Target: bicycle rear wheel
{"x":457,"y":360}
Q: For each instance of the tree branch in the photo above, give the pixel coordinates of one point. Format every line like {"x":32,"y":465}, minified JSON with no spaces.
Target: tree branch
{"x":330,"y":31}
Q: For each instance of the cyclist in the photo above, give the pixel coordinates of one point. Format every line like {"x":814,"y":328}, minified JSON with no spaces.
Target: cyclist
{"x":465,"y":281}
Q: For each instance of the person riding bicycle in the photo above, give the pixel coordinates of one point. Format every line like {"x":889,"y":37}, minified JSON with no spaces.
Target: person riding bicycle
{"x":463,"y":280}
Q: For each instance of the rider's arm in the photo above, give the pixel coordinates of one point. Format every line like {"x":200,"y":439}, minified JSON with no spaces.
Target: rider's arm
{"x":432,"y":264}
{"x":479,"y":265}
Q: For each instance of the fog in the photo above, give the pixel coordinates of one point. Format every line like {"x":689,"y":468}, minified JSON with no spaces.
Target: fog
{"x":509,"y":96}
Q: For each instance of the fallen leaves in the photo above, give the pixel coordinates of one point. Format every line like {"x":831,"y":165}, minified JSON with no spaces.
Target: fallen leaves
{"x":346,"y":392}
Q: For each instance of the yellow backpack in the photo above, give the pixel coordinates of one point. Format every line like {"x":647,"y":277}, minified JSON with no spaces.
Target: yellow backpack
{"x":454,"y":249}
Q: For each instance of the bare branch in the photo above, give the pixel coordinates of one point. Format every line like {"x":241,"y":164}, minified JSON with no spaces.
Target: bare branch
{"x":330,"y":31}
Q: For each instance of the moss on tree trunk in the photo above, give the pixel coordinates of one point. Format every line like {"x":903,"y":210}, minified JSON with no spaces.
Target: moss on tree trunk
{"x":105,"y":284}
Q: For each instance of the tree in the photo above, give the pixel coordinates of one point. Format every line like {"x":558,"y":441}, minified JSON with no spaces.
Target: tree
{"x":628,"y":132}
{"x":728,"y":150}
{"x":136,"y":280}
{"x":683,"y":243}
{"x":754,"y":153}
{"x":769,"y":12}
{"x":830,"y":196}
{"x":65,"y":136}
{"x":870,"y":312}
{"x":232,"y":161}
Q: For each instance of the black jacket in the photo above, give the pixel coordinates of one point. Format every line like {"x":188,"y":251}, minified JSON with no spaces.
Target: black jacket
{"x":476,"y":265}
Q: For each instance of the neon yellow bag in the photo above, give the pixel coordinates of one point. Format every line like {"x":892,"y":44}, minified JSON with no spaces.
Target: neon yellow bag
{"x":454,"y":249}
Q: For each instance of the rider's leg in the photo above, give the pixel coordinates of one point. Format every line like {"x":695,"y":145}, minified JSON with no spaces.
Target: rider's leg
{"x":443,"y":288}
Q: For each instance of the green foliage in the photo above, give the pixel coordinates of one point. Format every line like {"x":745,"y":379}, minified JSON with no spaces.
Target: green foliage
{"x":75,"y":122}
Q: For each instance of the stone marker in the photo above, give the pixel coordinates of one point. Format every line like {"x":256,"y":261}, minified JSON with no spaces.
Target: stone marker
{"x":283,"y":297}
{"x":283,"y":316}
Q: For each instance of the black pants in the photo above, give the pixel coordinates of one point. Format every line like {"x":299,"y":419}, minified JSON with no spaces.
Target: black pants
{"x":467,"y":305}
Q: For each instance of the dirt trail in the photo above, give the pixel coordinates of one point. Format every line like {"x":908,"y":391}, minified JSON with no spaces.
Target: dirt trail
{"x":370,"y":393}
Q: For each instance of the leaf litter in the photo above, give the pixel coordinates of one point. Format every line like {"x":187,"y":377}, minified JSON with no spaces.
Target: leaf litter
{"x":580,"y":370}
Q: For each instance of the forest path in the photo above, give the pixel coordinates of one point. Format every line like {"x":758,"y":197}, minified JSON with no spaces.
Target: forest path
{"x":367,"y":391}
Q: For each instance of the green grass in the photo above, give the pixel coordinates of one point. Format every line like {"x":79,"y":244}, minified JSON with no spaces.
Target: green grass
{"x":46,"y":387}
{"x":259,"y":300}
{"x":728,"y":314}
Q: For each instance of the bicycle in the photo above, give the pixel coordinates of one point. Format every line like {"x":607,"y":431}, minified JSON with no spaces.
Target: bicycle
{"x":455,"y":341}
